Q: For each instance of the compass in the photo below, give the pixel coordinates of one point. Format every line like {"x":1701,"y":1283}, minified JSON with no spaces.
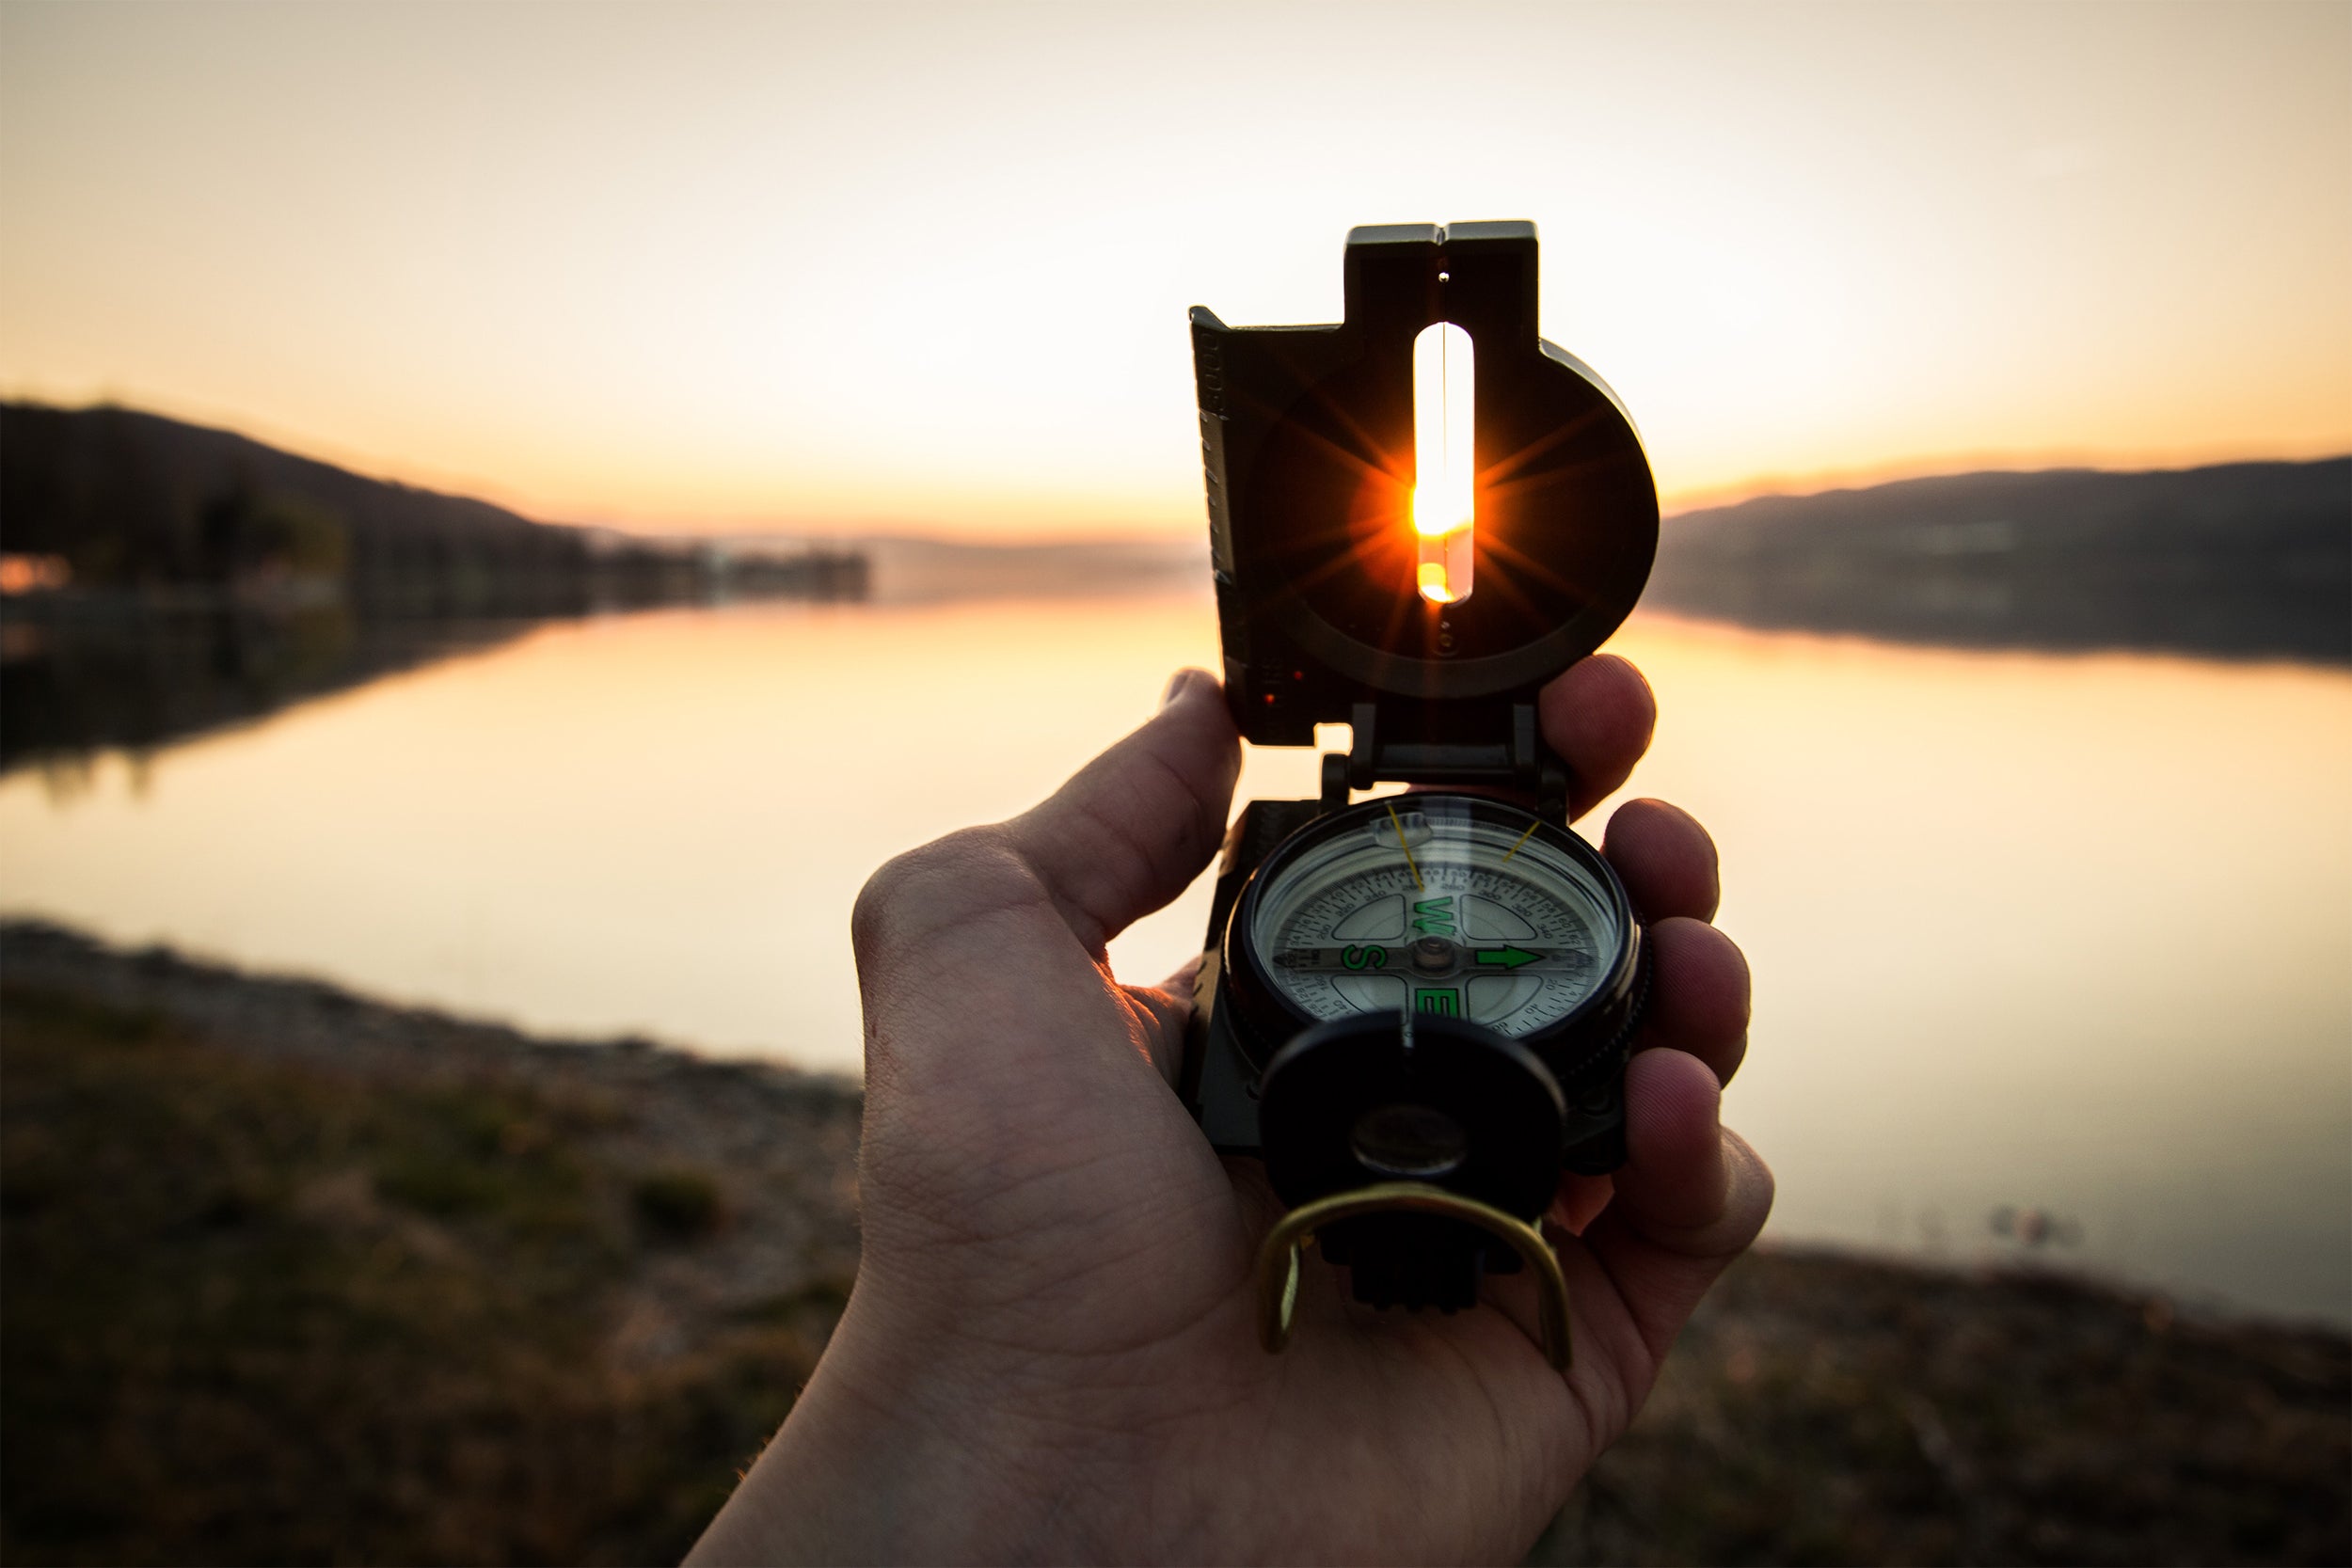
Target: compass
{"x":1438,"y":904}
{"x":1416,"y":1008}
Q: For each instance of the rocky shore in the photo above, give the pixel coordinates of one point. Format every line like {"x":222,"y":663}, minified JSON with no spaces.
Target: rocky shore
{"x":289,"y":1274}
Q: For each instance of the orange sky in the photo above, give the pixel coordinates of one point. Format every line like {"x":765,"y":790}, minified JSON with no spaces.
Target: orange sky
{"x":844,"y":268}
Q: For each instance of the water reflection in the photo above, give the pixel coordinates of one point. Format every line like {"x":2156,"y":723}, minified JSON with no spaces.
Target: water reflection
{"x":2065,"y":934}
{"x":86,"y":672}
{"x":2053,"y":935}
{"x":73,"y":686}
{"x":82,"y":673}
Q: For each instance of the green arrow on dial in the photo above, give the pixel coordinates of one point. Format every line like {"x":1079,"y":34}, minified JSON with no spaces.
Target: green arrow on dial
{"x":1509,"y":958}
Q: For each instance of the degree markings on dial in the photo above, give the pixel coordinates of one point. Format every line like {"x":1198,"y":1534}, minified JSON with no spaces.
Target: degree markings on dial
{"x":1371,"y":958}
{"x":1554,"y":925}
{"x":1540,"y":944}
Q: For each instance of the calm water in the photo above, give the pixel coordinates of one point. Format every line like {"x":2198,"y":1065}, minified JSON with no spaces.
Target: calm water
{"x":2063,"y":933}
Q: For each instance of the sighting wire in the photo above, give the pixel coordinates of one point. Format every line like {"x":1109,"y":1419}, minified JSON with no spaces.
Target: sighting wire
{"x":1516,"y":842}
{"x":1418,"y":886}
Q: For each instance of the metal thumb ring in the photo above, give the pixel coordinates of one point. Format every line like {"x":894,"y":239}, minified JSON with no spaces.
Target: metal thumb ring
{"x":1278,"y":1257}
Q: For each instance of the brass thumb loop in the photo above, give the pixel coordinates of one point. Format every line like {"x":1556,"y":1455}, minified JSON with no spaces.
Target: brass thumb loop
{"x":1278,"y":1257}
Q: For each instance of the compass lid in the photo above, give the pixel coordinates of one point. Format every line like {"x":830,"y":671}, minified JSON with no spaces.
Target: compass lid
{"x":1322,"y":449}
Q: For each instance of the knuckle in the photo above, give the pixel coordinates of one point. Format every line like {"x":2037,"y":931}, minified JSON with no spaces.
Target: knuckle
{"x":918,"y":889}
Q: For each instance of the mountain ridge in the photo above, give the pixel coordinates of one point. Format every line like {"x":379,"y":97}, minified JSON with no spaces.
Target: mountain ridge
{"x":2239,"y":560}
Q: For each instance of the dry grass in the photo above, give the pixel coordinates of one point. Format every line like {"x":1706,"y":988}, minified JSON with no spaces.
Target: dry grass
{"x":1833,"y":1410}
{"x":257,"y":1312}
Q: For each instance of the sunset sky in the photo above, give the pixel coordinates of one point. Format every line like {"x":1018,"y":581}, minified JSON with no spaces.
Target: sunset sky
{"x":849,"y":268}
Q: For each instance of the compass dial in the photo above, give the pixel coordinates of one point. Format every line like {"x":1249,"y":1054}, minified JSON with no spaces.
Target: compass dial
{"x":1437,"y":904}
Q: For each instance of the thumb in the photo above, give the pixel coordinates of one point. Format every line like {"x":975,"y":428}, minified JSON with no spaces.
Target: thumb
{"x":1138,"y":823}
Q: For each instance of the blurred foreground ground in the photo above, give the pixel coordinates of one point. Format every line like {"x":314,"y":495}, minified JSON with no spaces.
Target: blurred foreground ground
{"x":290,"y":1276}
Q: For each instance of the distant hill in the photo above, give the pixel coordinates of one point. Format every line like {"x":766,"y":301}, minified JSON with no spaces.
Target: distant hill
{"x":134,"y":500}
{"x":138,"y":504}
{"x":2245,"y":559}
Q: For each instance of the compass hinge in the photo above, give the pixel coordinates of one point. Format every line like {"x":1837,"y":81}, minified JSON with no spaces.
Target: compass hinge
{"x":1521,"y":762}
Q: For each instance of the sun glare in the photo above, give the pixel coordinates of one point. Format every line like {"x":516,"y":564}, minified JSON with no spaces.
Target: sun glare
{"x":1445,"y":461}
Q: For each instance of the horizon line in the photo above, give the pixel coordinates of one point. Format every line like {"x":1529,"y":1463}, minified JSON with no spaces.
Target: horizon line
{"x":1672,"y":504}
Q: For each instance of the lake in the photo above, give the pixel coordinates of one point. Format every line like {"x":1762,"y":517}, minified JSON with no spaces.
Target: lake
{"x":2053,"y":952}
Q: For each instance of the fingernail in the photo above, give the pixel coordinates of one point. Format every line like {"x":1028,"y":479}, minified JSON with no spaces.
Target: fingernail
{"x":1176,"y":684}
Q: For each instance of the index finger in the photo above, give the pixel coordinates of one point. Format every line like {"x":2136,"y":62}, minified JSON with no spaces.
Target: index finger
{"x":1597,"y":715}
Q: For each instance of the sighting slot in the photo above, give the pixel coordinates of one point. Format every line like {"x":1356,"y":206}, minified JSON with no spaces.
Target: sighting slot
{"x":1330,"y":485}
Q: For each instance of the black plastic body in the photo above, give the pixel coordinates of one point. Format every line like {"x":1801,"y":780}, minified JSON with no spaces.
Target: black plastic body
{"x":1306,"y":446}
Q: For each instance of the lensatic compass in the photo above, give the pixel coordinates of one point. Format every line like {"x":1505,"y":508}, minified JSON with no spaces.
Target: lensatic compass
{"x":1416,"y":1007}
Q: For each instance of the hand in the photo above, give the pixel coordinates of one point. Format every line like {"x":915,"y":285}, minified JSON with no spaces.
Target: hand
{"x":1051,"y":1351}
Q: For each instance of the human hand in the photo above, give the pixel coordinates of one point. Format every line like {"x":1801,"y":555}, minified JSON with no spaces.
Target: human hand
{"x":1051,"y":1350}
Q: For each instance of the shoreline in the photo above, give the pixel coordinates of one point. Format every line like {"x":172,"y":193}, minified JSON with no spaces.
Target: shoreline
{"x":263,"y":1233}
{"x":295,"y":1017}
